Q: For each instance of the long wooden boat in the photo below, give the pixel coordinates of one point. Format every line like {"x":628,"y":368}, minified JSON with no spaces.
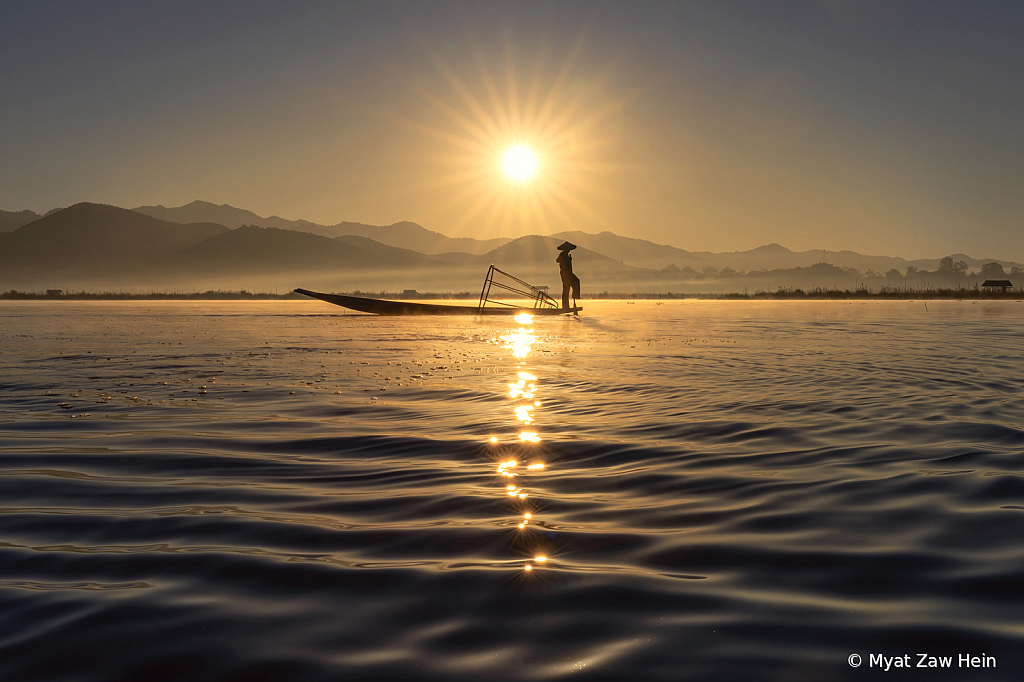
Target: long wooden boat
{"x":387,"y":307}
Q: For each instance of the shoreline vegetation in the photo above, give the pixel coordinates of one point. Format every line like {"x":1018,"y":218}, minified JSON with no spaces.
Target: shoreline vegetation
{"x":782,"y":293}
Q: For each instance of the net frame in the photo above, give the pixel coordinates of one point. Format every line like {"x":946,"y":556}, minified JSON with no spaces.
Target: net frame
{"x":516,"y":286}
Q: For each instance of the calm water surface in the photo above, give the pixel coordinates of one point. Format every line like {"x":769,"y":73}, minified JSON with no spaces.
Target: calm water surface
{"x":729,"y":491}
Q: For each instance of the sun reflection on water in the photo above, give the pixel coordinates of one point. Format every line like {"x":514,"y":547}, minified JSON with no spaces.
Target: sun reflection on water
{"x":523,"y":413}
{"x":522,"y":392}
{"x":520,"y":341}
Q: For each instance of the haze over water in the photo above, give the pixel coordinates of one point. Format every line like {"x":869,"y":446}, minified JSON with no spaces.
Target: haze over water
{"x":730,"y":490}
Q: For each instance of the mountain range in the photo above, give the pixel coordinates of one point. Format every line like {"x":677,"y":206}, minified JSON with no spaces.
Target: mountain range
{"x":630,"y":251}
{"x":205,"y":245}
{"x":408,"y":235}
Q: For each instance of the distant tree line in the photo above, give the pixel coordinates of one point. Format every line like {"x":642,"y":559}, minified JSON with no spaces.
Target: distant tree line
{"x":950,"y":274}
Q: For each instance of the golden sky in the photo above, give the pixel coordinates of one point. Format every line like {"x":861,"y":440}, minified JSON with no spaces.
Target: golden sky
{"x":881,"y":127}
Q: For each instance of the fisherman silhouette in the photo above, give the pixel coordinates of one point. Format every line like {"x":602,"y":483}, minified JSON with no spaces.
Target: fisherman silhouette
{"x":569,"y":280}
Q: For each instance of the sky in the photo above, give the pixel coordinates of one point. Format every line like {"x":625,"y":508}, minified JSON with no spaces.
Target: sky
{"x":886,"y":127}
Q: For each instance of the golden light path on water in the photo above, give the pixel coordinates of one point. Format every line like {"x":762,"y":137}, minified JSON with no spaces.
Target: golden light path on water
{"x":522,"y":392}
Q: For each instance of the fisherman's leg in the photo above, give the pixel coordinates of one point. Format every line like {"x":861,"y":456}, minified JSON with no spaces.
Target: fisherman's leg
{"x":565,"y":295}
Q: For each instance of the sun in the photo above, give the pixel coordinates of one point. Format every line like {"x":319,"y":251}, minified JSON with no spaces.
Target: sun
{"x":516,"y":146}
{"x":520,"y":163}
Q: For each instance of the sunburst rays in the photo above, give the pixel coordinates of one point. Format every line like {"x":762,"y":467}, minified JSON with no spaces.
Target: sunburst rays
{"x":478,"y":114}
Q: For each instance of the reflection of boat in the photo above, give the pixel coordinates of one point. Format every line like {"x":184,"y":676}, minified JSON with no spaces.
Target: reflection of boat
{"x":526,"y":298}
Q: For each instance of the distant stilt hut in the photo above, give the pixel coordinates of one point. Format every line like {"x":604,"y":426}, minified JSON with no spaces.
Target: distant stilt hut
{"x":1003,"y":285}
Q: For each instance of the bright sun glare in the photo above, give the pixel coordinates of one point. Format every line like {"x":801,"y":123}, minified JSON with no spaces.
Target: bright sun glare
{"x":520,"y":163}
{"x":522,"y":146}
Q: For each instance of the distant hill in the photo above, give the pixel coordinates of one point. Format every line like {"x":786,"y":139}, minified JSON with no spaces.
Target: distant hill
{"x":203,"y":211}
{"x":262,"y":250}
{"x":269,"y":249}
{"x":637,"y":252}
{"x":533,"y":258}
{"x":95,"y":245}
{"x":774,"y":257}
{"x":406,"y":235}
{"x":223,"y":214}
{"x":642,"y":253}
{"x":390,"y":254}
{"x":12,"y":220}
{"x":536,"y":250}
{"x":96,"y":238}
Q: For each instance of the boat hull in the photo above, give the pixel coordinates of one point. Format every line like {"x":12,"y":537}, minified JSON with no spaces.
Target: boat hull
{"x":385,"y":307}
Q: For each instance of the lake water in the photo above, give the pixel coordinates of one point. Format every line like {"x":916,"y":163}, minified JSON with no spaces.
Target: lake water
{"x":730,"y":491}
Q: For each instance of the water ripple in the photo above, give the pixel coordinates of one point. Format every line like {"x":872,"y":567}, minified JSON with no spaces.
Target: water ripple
{"x":720,"y":491}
